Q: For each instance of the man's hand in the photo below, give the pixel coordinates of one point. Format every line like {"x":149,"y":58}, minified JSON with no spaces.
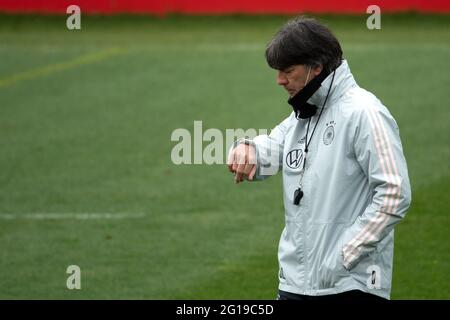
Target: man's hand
{"x":242,"y":162}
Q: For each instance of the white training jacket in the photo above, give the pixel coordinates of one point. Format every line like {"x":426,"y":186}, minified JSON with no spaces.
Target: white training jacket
{"x":356,"y":189}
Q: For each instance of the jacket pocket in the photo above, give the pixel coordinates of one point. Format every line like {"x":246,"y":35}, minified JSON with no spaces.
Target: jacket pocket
{"x":332,"y":270}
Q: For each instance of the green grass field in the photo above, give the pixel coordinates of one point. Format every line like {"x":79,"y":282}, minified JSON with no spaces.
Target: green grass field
{"x":85,"y":124}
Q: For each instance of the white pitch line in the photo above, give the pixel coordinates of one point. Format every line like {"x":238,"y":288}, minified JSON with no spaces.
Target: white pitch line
{"x":74,"y":216}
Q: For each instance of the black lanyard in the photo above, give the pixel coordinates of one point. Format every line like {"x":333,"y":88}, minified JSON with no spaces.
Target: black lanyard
{"x":298,"y":194}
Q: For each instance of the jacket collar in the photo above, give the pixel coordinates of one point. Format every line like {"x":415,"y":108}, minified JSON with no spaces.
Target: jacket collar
{"x":343,"y":81}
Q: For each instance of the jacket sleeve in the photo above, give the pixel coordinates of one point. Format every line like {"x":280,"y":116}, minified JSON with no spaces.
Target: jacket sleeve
{"x":379,"y":152}
{"x":269,"y":150}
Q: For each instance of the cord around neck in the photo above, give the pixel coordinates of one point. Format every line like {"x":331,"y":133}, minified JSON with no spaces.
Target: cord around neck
{"x":317,"y":122}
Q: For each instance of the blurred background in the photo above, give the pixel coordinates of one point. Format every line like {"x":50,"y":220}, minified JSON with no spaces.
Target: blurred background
{"x":86,"y":117}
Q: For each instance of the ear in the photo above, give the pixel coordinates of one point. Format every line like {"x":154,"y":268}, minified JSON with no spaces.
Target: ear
{"x":317,"y":69}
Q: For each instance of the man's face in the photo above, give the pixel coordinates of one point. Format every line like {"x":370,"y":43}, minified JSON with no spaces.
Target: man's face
{"x":295,"y":77}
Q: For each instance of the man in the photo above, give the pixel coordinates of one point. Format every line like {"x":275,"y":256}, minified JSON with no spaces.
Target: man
{"x":345,"y":179}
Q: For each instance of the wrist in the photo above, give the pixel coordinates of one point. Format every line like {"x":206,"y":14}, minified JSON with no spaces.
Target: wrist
{"x":245,"y":141}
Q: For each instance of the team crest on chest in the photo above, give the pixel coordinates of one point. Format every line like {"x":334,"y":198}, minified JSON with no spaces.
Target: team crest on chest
{"x":328,"y":135}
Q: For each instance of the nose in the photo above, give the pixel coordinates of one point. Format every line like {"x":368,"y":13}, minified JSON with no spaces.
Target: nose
{"x":281,"y":78}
